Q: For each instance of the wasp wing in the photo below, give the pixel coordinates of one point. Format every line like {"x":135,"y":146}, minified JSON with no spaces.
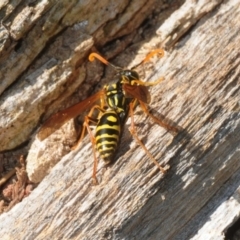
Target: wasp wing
{"x":59,"y":119}
{"x":139,"y":92}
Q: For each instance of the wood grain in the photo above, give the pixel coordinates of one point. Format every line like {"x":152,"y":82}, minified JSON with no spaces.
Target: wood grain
{"x":198,"y":198}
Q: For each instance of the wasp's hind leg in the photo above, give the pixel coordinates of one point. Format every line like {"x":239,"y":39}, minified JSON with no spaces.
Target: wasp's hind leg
{"x":173,"y":130}
{"x":86,"y":125}
{"x":134,"y":134}
{"x":93,"y":141}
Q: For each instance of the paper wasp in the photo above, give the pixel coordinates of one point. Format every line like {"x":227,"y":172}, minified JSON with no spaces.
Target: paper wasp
{"x":117,"y":102}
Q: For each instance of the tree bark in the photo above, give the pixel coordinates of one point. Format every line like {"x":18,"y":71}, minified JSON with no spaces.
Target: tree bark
{"x":44,"y":60}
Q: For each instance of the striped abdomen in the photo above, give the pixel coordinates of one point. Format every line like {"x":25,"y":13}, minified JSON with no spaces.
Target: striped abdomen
{"x":107,"y":135}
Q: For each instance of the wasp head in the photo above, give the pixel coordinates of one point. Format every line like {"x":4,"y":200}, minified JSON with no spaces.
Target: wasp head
{"x":127,"y":76}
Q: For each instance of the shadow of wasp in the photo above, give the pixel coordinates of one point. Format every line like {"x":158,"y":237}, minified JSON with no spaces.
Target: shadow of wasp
{"x":116,"y":104}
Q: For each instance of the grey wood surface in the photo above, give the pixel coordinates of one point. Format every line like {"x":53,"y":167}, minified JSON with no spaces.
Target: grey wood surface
{"x":198,"y":197}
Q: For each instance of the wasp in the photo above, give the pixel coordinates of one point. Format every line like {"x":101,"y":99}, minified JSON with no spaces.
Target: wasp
{"x":116,"y":102}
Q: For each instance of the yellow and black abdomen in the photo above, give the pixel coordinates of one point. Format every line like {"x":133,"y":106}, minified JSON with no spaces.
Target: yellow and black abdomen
{"x":107,"y":135}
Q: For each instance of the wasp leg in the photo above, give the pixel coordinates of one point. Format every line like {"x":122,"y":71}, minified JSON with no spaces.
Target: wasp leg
{"x":93,"y":141}
{"x":140,"y":82}
{"x":86,"y":125}
{"x":168,"y":127}
{"x":134,"y":133}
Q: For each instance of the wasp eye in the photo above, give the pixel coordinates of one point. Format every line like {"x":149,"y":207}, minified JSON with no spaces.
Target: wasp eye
{"x":130,"y":75}
{"x":134,"y":75}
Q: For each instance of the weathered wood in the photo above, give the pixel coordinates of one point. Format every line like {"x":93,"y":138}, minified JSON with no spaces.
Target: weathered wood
{"x":57,"y":69}
{"x":198,"y":197}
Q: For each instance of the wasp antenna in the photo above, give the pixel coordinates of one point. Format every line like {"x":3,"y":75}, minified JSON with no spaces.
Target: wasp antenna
{"x":92,"y":57}
{"x":159,"y":52}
